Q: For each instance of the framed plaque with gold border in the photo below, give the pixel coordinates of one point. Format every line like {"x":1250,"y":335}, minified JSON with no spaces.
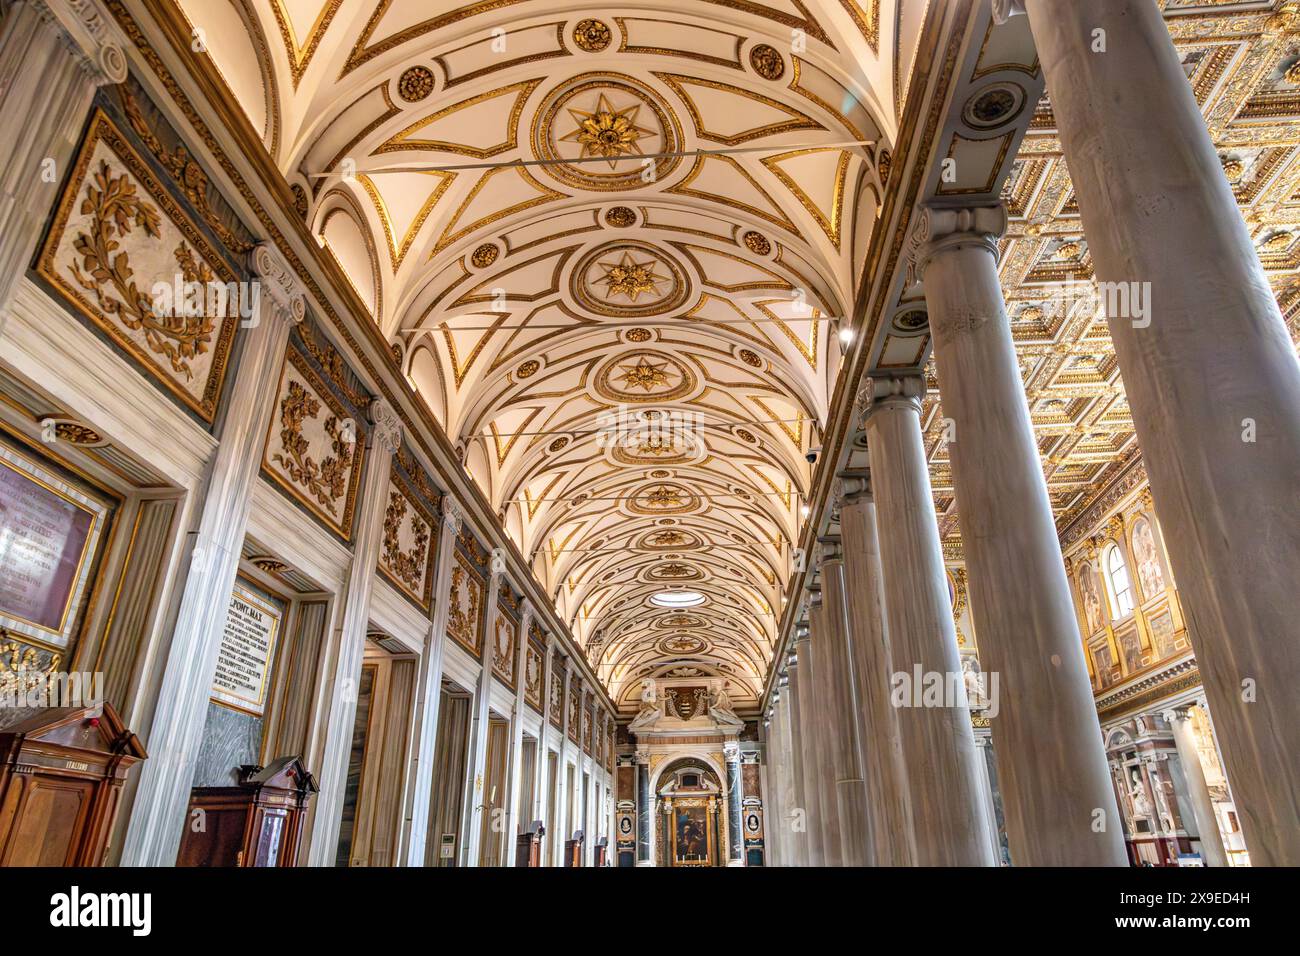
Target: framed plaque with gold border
{"x":49,"y":533}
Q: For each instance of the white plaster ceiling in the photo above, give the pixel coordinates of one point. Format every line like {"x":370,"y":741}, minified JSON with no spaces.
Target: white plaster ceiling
{"x":687,"y":303}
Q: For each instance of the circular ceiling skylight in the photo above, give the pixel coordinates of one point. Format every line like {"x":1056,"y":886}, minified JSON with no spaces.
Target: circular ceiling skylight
{"x":677,"y":599}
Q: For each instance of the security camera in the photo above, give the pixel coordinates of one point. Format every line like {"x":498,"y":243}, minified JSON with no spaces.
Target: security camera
{"x":811,"y":454}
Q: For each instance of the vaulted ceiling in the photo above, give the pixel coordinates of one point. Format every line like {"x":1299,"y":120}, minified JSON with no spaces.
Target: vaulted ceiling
{"x":611,"y":245}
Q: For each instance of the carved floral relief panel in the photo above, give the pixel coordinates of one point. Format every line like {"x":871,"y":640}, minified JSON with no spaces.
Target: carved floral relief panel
{"x":556,"y":705}
{"x":465,"y":611}
{"x":407,"y":551}
{"x":505,"y":636}
{"x":534,"y":669}
{"x":575,"y":713}
{"x":314,"y":448}
{"x":118,"y":240}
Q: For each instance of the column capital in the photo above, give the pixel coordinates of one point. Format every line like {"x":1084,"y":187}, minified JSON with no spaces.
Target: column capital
{"x":731,"y":751}
{"x":882,"y":392}
{"x":1176,"y":714}
{"x":1004,"y":10}
{"x":642,"y":756}
{"x":89,"y":34}
{"x":853,"y":487}
{"x":830,"y":549}
{"x":278,"y":282}
{"x":387,"y":426}
{"x":814,"y":597}
{"x":944,"y":228}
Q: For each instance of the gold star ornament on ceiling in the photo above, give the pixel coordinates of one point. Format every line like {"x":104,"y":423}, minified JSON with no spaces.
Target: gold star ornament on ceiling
{"x":645,"y":374}
{"x":629,"y":278}
{"x":607,"y":132}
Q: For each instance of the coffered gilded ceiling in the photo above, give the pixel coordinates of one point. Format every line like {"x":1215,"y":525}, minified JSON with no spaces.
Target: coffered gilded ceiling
{"x":612,"y":246}
{"x":1243,"y":61}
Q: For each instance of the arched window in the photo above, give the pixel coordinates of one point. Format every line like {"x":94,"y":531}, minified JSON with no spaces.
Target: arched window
{"x":1117,"y":579}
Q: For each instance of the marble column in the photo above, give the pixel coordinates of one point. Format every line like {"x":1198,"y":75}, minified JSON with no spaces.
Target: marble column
{"x":823,"y":781}
{"x":944,"y":785}
{"x":843,"y":710}
{"x":476,"y":793}
{"x":984,"y":744}
{"x":1207,"y":821}
{"x":892,"y":843}
{"x":1210,"y":374}
{"x":54,"y":54}
{"x":424,"y":745}
{"x":802,"y":693}
{"x":735,"y":842}
{"x":778,"y":818}
{"x":385,"y":438}
{"x":162,"y":797}
{"x":517,"y":738}
{"x":644,"y":810}
{"x":795,"y":820}
{"x":1059,"y":806}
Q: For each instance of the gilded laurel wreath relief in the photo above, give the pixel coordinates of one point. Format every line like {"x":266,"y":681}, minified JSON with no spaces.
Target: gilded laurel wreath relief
{"x":404,"y":555}
{"x":506,"y":634}
{"x":117,"y":238}
{"x":464,"y":618}
{"x":313,"y":450}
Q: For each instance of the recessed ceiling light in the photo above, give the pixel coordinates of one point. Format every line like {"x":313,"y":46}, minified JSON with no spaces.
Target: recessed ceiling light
{"x":677,"y":598}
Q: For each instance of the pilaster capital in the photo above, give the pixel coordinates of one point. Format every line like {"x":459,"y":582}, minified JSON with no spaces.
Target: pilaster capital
{"x":278,"y":283}
{"x":387,"y":427}
{"x":944,"y":228}
{"x":895,"y":391}
{"x":1004,"y":10}
{"x":451,"y":515}
{"x":89,"y":33}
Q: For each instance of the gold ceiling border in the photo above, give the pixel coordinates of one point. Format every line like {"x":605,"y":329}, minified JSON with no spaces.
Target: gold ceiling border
{"x":399,"y":142}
